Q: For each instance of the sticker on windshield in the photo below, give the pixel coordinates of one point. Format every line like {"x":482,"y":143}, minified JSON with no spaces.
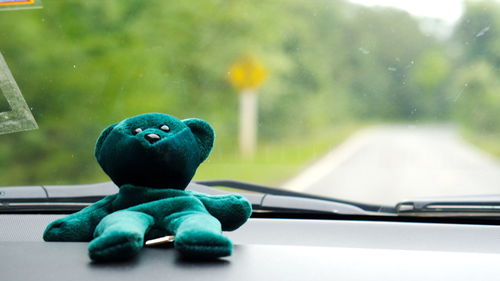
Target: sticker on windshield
{"x":20,"y":4}
{"x":4,"y":105}
{"x":17,"y":116}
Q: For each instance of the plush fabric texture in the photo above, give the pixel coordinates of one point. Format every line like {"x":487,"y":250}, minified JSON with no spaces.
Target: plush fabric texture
{"x":129,"y":158}
{"x":152,"y":173}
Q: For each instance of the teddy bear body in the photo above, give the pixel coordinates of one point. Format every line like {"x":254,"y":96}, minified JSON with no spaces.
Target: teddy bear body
{"x":152,"y":157}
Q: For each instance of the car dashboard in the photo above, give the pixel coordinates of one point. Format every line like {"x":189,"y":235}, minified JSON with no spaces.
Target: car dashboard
{"x":337,"y":241}
{"x":271,"y":249}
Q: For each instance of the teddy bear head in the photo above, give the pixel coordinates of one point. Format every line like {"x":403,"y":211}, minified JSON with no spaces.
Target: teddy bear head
{"x":154,"y":150}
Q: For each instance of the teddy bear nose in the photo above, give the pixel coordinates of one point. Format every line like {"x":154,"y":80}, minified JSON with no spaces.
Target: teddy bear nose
{"x":152,"y":138}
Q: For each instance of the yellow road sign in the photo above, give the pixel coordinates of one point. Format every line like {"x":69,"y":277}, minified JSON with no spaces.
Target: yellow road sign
{"x":15,"y":2}
{"x":20,"y":4}
{"x":247,"y":73}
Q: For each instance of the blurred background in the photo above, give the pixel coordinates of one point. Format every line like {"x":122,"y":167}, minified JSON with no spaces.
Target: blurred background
{"x":332,"y":68}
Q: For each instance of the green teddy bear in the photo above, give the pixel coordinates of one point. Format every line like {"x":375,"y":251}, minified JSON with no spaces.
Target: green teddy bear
{"x":152,"y":157}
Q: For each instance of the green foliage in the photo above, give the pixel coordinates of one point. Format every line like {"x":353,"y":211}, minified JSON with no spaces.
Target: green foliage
{"x":83,"y":65}
{"x":478,"y":32}
{"x":476,"y":88}
{"x":430,"y":74}
{"x":478,"y":100}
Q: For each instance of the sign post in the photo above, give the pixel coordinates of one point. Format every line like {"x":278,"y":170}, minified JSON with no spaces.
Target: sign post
{"x":248,"y":122}
{"x":247,"y":74}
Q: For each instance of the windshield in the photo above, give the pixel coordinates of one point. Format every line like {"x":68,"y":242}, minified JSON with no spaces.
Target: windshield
{"x":367,"y":101}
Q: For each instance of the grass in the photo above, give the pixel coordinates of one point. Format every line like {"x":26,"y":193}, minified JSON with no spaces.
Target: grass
{"x":489,"y":142}
{"x":274,"y":163}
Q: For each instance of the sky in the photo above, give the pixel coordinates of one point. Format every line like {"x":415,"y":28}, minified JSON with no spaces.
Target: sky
{"x":447,"y":10}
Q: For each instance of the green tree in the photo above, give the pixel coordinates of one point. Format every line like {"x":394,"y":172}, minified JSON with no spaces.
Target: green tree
{"x":476,"y":94}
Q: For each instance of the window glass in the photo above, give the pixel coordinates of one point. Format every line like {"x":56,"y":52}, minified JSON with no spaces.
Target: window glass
{"x":361,"y":100}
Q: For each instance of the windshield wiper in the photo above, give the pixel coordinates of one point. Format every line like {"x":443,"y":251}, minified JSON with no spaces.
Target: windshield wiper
{"x":71,"y":198}
{"x":268,"y":191}
{"x":52,"y":198}
{"x":481,"y":205}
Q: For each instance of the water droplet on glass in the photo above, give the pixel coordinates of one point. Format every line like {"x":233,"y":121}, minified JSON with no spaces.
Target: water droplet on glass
{"x":483,"y":31}
{"x":363,"y":50}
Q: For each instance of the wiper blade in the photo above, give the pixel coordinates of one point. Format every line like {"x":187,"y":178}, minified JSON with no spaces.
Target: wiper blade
{"x":44,"y":205}
{"x":71,"y":198}
{"x":482,"y":205}
{"x":31,"y":207}
{"x":248,"y":187}
{"x":273,"y":200}
{"x":52,"y":198}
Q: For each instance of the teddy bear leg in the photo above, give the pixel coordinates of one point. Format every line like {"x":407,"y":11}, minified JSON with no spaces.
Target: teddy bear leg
{"x":119,"y":236}
{"x":199,"y":235}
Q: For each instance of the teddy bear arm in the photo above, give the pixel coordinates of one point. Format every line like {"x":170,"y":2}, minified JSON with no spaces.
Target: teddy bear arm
{"x":80,"y":225}
{"x":231,"y":210}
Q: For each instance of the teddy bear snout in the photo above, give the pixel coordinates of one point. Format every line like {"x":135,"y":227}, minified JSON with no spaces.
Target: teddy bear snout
{"x":152,"y":138}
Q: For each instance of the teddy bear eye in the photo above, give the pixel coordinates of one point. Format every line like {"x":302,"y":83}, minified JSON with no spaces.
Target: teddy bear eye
{"x":136,"y":131}
{"x":165,"y":128}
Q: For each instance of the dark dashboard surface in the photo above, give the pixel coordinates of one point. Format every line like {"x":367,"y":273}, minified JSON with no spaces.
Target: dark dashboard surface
{"x":272,"y":249}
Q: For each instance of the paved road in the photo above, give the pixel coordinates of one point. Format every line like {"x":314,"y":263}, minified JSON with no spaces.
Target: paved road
{"x":385,"y":165}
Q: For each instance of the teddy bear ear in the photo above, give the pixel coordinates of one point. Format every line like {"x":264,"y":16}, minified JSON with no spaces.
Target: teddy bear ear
{"x":100,"y":140}
{"x":204,"y":135}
